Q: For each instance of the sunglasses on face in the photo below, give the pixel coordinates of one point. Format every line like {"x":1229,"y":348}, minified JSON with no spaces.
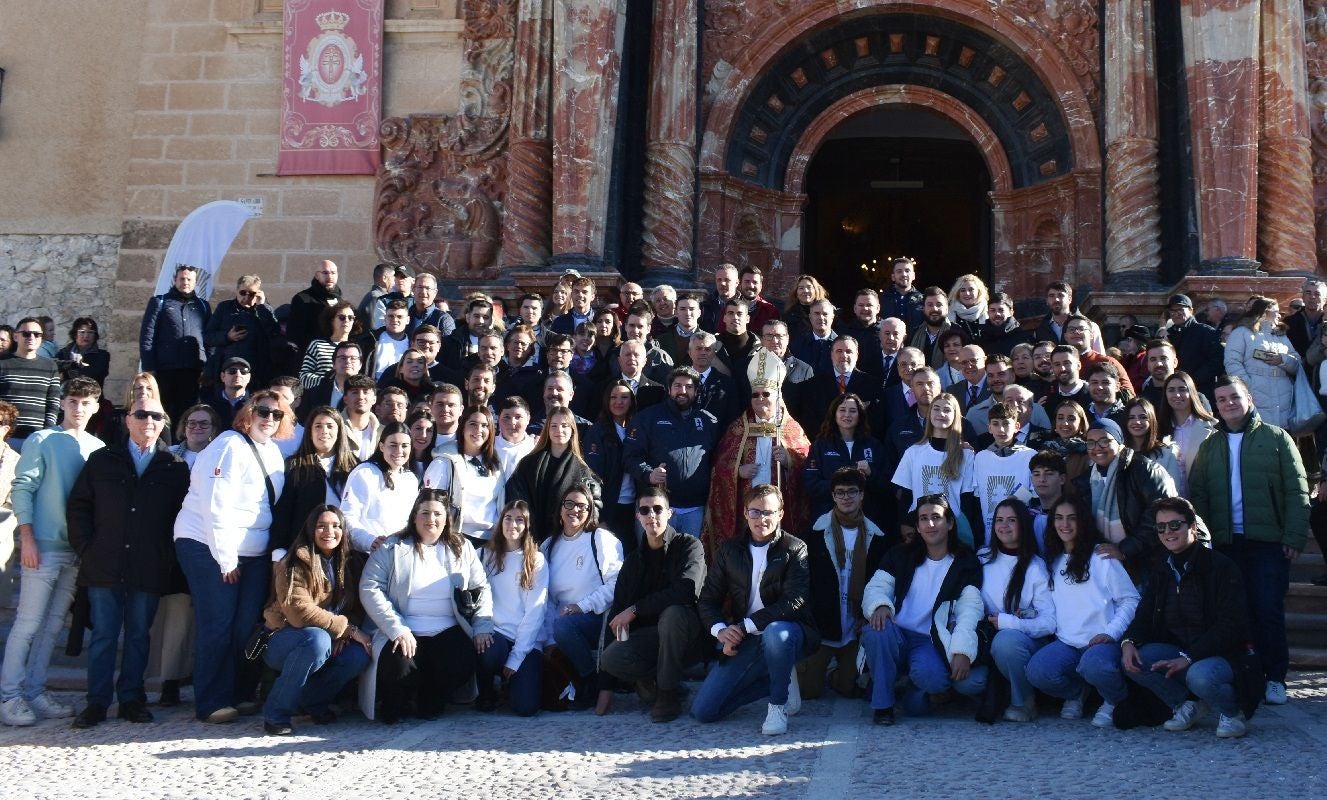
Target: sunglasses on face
{"x":155,"y":416}
{"x":237,"y":371}
{"x":346,"y":317}
{"x":646,"y":511}
{"x":272,"y":413}
{"x":760,"y":395}
{"x":30,"y":334}
{"x":246,"y":293}
{"x":1173,"y":525}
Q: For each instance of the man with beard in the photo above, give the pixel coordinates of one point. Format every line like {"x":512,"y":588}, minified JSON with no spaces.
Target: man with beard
{"x":725,"y":289}
{"x":762,"y":310}
{"x":306,"y":308}
{"x":935,"y":321}
{"x":901,"y":299}
{"x":1001,"y":331}
{"x":1069,"y":385}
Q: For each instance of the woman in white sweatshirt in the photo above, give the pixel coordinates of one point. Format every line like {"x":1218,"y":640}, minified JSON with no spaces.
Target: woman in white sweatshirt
{"x":380,"y":492}
{"x":583,"y":563}
{"x":1094,"y":603}
{"x":472,"y":477}
{"x":518,"y":578}
{"x":1015,"y":588}
{"x":221,"y":541}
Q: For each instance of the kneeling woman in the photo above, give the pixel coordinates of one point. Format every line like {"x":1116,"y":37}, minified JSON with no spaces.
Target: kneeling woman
{"x":932,"y":577}
{"x":1015,"y":588}
{"x":1191,"y":626}
{"x":519,"y":580}
{"x":423,"y":646}
{"x":1094,"y":604}
{"x":314,"y":609}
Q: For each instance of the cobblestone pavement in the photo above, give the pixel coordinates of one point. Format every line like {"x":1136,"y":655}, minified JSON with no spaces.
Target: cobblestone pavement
{"x":831,"y":751}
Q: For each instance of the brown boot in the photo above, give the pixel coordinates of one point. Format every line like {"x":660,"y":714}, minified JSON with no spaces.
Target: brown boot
{"x":667,"y":706}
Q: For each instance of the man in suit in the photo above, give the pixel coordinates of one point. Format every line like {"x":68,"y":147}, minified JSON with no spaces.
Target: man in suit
{"x":631,"y":359}
{"x":842,"y":378}
{"x":717,"y":392}
{"x":891,"y":336}
{"x":897,"y":400}
{"x":797,"y":376}
{"x":973,"y":388}
{"x":1000,"y":379}
{"x":813,"y":347}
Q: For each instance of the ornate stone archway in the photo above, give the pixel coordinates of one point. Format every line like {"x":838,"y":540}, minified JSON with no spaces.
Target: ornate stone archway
{"x":1031,"y":118}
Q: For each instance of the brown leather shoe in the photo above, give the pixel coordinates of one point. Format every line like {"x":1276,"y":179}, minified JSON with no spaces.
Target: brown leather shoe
{"x":667,"y":706}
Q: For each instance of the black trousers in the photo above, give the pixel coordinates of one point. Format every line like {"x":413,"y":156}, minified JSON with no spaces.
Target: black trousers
{"x":179,"y":390}
{"x":441,"y":665}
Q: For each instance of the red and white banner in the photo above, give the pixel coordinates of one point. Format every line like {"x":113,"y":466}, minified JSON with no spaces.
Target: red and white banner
{"x":331,"y":99}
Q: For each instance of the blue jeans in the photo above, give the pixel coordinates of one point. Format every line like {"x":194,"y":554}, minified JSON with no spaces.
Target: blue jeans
{"x":310,"y":675}
{"x":224,"y":618}
{"x":893,"y":647}
{"x":113,"y":610}
{"x":762,"y":667}
{"x":1266,"y":580}
{"x":523,"y":689}
{"x":1064,"y":671}
{"x":45,"y":594}
{"x":689,"y":522}
{"x":1011,"y":650}
{"x":577,"y":636}
{"x":1210,"y":679}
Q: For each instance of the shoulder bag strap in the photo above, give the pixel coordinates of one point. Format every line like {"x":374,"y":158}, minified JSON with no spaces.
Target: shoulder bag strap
{"x":271,"y":490}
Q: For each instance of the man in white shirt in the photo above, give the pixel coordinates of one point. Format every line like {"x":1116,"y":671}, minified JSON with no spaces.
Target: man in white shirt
{"x":392,"y":340}
{"x":446,"y":402}
{"x":513,"y":442}
{"x":362,"y":426}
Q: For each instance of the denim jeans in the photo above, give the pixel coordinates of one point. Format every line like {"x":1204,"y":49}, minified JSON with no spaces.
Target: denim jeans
{"x":577,"y":636}
{"x":689,"y":522}
{"x":310,"y":675}
{"x":1011,"y":650}
{"x":224,"y":618}
{"x":1064,"y":671}
{"x":1210,"y":679}
{"x":523,"y":688}
{"x":45,"y":594}
{"x":894,"y":647}
{"x":113,"y":610}
{"x":1266,"y":580}
{"x":762,"y":667}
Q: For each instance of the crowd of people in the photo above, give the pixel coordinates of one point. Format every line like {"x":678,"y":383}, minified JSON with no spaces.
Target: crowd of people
{"x":401,"y":506}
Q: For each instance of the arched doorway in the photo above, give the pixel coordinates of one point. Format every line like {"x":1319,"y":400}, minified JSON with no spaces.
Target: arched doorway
{"x":896,"y":181}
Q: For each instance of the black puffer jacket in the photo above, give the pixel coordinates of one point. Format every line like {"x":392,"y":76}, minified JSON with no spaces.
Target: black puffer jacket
{"x":122,"y":525}
{"x":171,"y":336}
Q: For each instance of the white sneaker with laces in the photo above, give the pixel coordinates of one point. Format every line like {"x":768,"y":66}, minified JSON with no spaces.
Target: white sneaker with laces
{"x":794,"y":703}
{"x":776,"y":721}
{"x":1275,"y":694}
{"x":1105,"y":716}
{"x":1231,"y":727}
{"x":1184,"y":718}
{"x":17,"y":712}
{"x":1072,"y":709}
{"x":48,"y":707}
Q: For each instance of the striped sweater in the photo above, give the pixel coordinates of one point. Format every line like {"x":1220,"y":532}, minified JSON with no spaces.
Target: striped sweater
{"x":33,"y":386}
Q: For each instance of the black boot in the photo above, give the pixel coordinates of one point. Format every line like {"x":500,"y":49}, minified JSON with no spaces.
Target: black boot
{"x":170,"y":694}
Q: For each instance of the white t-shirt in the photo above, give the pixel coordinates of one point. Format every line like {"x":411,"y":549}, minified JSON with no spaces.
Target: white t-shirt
{"x":919,"y":472}
{"x":996,"y":477}
{"x":847,"y":614}
{"x":510,"y":454}
{"x":429,"y":608}
{"x":915,"y":611}
{"x":388,"y":351}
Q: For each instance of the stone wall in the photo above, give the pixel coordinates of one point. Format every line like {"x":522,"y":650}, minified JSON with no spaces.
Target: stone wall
{"x":63,"y":276}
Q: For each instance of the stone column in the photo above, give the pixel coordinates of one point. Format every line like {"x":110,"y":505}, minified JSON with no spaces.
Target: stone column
{"x":1221,"y":59}
{"x":670,"y":151}
{"x":587,"y":47}
{"x":1133,"y":201}
{"x":527,"y":225}
{"x":1285,"y":161}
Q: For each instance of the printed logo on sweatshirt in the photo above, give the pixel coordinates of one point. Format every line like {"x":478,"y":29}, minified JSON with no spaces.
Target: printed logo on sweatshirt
{"x":216,"y":473}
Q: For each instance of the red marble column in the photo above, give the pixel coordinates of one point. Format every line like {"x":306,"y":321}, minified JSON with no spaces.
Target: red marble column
{"x":587,"y":46}
{"x":527,"y":224}
{"x":670,"y":151}
{"x":1285,"y":160}
{"x":1133,"y":201}
{"x":1221,"y":57}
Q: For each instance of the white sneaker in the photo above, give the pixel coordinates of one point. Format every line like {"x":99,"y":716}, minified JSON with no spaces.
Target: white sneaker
{"x":1275,"y":694}
{"x":776,"y":721}
{"x":1184,"y":718}
{"x":46,"y":706}
{"x":1231,"y":727}
{"x":1105,"y":716}
{"x":1072,"y":709}
{"x":794,"y":703}
{"x":17,"y":712}
{"x":1025,"y":713}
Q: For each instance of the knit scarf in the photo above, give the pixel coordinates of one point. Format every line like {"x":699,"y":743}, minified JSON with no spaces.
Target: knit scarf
{"x":975,"y":314}
{"x":856,"y":578}
{"x":1105,"y":503}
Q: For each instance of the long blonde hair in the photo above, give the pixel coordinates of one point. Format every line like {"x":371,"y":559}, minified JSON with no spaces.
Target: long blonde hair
{"x":952,"y":467}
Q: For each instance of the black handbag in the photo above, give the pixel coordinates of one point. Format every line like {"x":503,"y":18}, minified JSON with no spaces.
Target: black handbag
{"x":253,"y":649}
{"x":467,"y":602}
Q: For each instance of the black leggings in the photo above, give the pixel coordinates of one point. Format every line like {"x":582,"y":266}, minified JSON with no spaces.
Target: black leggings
{"x":442,"y":664}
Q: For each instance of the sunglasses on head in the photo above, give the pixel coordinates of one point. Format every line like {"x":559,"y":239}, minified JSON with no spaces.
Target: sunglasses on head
{"x":155,"y":416}
{"x":265,"y":412}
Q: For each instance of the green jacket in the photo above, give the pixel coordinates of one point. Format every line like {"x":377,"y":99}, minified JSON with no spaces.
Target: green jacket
{"x":1275,"y":490}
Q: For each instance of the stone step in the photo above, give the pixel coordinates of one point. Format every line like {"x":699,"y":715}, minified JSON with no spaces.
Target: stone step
{"x":1308,"y":657}
{"x":1305,"y":597}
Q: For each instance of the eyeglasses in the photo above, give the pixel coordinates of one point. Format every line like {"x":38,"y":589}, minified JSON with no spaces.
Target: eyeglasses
{"x":237,"y":370}
{"x":29,"y":334}
{"x":155,"y":416}
{"x":198,"y":424}
{"x":572,"y":505}
{"x":760,"y":513}
{"x":847,"y":493}
{"x":646,"y":511}
{"x":82,"y":331}
{"x":273,"y":413}
{"x":1173,"y":525}
{"x":1099,"y":444}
